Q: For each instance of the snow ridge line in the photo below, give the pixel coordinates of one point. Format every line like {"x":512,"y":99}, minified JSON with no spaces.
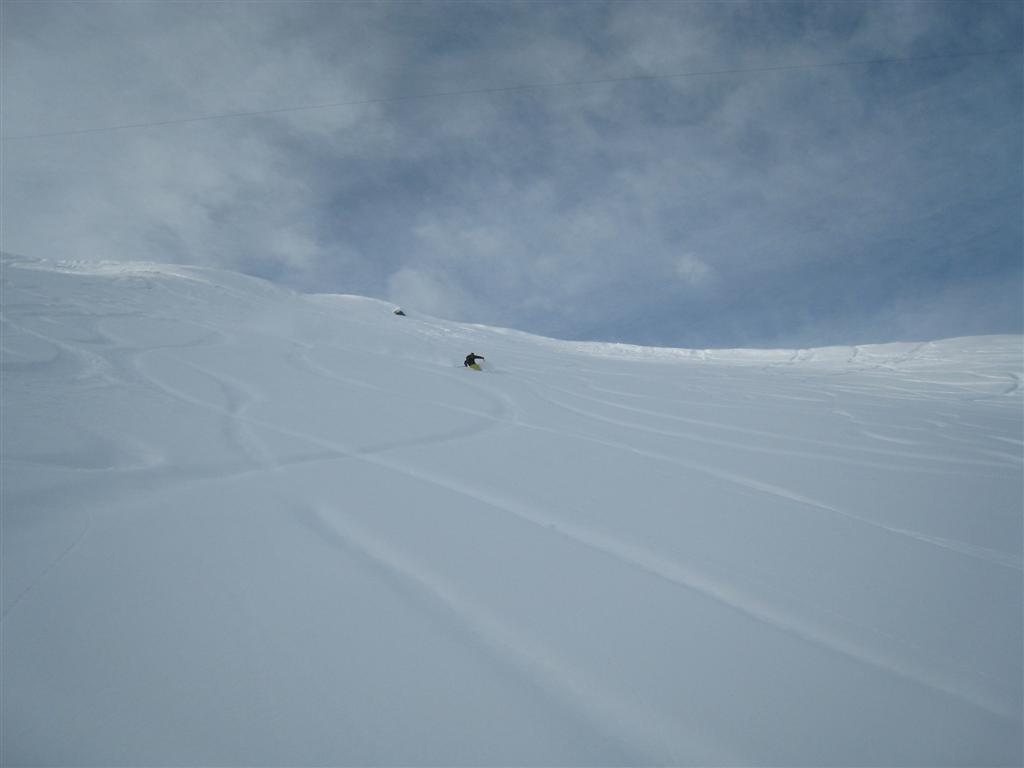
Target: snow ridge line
{"x":639,"y":731}
{"x":906,"y":665}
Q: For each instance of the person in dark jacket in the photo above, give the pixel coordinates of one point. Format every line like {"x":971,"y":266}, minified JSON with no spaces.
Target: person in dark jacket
{"x":471,"y":359}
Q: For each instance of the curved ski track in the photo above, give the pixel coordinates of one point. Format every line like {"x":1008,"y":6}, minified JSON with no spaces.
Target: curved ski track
{"x":904,"y":663}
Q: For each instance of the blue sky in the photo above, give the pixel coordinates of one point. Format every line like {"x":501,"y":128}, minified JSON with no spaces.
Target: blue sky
{"x":781,"y":207}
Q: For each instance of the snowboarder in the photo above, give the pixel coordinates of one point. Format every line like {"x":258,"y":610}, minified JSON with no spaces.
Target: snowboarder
{"x":471,"y":359}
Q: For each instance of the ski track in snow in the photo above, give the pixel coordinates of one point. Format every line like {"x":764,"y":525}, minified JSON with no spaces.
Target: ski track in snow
{"x":504,"y":409}
{"x":769,"y":435}
{"x":236,"y":421}
{"x":982,"y":553}
{"x":962,"y":685}
{"x":642,"y":733}
{"x":646,"y":736}
{"x":90,"y":365}
{"x":49,"y":568}
{"x":949,"y":681}
{"x":239,"y":399}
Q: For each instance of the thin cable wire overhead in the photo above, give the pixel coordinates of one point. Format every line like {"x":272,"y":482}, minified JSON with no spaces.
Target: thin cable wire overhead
{"x":508,"y":89}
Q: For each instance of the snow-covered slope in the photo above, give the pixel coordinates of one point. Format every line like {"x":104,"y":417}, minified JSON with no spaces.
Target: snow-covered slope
{"x":247,"y":527}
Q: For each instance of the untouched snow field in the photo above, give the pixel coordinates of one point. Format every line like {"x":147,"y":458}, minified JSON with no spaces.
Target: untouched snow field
{"x":247,"y":527}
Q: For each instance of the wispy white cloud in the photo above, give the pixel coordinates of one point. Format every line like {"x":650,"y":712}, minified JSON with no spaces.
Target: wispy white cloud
{"x":692,"y":270}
